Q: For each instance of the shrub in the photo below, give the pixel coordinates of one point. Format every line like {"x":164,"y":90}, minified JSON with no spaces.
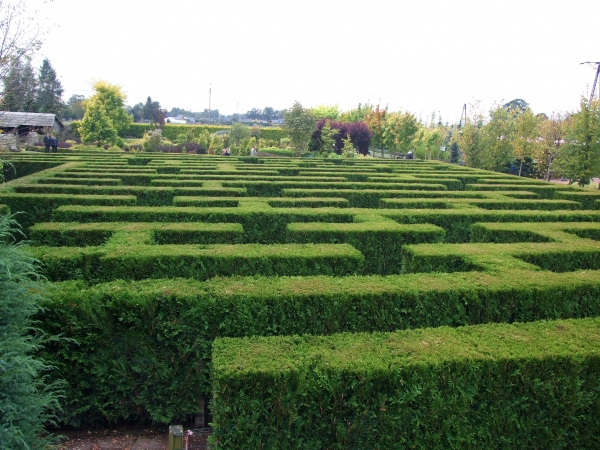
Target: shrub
{"x":152,"y":140}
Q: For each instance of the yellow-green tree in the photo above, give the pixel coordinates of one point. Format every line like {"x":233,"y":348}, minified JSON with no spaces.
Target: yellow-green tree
{"x":428,"y":142}
{"x":112,"y":98}
{"x":399,"y":131}
{"x":524,"y":136}
{"x":326,"y":112}
{"x":469,"y":137}
{"x":497,"y":139}
{"x":580,"y":159}
{"x":551,"y":138}
{"x":96,"y":127}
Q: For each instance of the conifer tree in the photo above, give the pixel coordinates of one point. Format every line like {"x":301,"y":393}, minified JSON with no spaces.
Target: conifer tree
{"x":27,"y":401}
{"x":20,"y":88}
{"x":49,"y":92}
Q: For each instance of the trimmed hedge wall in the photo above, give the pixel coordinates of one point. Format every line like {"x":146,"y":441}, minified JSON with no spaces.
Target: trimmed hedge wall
{"x":171,"y":131}
{"x":533,"y":385}
{"x":380,"y":241}
{"x":134,"y":349}
{"x":17,"y":169}
{"x":127,"y":257}
{"x":40,"y":207}
{"x":95,"y":234}
{"x":261,"y":225}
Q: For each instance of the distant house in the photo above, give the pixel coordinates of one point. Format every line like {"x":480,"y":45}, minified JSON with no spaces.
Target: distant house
{"x":21,"y":128}
{"x":180,"y":120}
{"x":22,"y":123}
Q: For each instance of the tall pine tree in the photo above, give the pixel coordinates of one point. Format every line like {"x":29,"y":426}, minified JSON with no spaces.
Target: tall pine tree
{"x":49,"y":92}
{"x":20,"y":88}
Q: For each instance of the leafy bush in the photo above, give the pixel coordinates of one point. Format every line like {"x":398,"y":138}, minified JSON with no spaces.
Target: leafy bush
{"x":152,"y":140}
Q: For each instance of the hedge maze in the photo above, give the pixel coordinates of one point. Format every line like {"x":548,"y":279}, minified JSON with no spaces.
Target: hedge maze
{"x":319,"y":304}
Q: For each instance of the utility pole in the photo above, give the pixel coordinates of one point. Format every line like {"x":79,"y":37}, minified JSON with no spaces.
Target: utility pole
{"x":463,"y":114}
{"x":209,"y":94}
{"x":595,"y":79}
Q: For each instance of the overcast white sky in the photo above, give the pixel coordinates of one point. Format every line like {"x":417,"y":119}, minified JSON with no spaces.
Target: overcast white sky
{"x":420,"y":56}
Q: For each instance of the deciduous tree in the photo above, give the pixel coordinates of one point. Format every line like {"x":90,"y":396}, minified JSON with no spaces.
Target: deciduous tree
{"x":551,"y":139}
{"x":375,"y":120}
{"x":496,"y":139}
{"x":299,"y":124}
{"x":580,"y":159}
{"x":524,"y":136}
{"x":399,"y":131}
{"x":326,"y":112}
{"x":20,"y":36}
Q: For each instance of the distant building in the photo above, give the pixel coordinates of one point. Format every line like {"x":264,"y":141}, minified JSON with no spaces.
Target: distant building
{"x":22,"y":123}
{"x":180,"y":120}
{"x":20,"y":128}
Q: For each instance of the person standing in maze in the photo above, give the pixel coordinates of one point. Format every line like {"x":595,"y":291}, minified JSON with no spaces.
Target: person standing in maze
{"x":54,"y":142}
{"x":47,"y":142}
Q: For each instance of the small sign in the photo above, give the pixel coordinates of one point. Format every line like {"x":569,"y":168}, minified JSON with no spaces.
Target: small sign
{"x":442,"y":149}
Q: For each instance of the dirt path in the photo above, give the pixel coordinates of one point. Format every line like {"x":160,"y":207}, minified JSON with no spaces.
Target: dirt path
{"x":115,"y":439}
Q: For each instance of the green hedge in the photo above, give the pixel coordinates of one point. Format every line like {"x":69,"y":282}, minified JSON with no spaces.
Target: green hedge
{"x":565,"y":252}
{"x":133,"y":349}
{"x":486,"y":203}
{"x":223,"y":202}
{"x":357,"y":198}
{"x":145,"y":195}
{"x":380,"y":241}
{"x":261,"y":225}
{"x":544,"y":191}
{"x":587,"y":199}
{"x":16,"y":169}
{"x":125,"y":257}
{"x":171,"y":131}
{"x":483,"y":233}
{"x":494,"y":386}
{"x":82,"y":180}
{"x":309,"y":202}
{"x":458,"y":222}
{"x":95,"y":234}
{"x":278,"y":188}
{"x":40,"y":207}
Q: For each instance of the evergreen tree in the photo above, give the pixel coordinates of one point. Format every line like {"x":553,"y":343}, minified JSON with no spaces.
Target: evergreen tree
{"x":97,"y":127}
{"x":27,"y":403}
{"x":454,"y":153}
{"x":49,"y":93}
{"x":20,"y":88}
{"x":111,"y":99}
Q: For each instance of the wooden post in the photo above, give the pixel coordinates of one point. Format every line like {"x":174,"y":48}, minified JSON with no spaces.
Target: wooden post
{"x":175,"y":437}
